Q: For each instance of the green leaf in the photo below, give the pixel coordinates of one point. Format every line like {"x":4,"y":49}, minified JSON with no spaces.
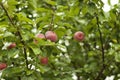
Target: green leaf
{"x":45,"y":43}
{"x":6,"y":34}
{"x":12,"y":2}
{"x":117,"y":57}
{"x":42,"y":10}
{"x":93,"y":21}
{"x":112,"y":15}
{"x":22,"y":17}
{"x":38,"y":75}
{"x":42,"y":19}
{"x":67,"y":25}
{"x":61,"y":47}
{"x":109,"y":2}
{"x":29,"y":72}
{"x":60,"y":32}
{"x":12,"y":71}
{"x":50,"y":2}
{"x":27,"y":35}
{"x":43,"y":68}
{"x":11,"y":53}
{"x":33,"y":3}
{"x":11,"y":7}
{"x":74,"y":11}
{"x":28,"y":78}
{"x":84,"y":10}
{"x":36,"y":50}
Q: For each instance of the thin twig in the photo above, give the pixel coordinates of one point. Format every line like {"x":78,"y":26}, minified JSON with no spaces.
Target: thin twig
{"x":18,"y":31}
{"x":7,"y":14}
{"x":102,"y":49}
{"x":76,"y":67}
{"x":52,"y":19}
{"x":101,"y":40}
{"x":19,"y":78}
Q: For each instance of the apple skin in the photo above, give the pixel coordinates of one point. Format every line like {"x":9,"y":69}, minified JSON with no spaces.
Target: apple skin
{"x":3,"y":66}
{"x":12,"y":45}
{"x":52,"y":36}
{"x":44,"y":60}
{"x":40,"y":36}
{"x":79,"y":36}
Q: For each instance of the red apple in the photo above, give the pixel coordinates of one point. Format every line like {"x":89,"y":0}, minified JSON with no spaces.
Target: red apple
{"x":12,"y":45}
{"x":79,"y":36}
{"x":50,"y":35}
{"x":3,"y":66}
{"x":44,"y":60}
{"x":40,"y":36}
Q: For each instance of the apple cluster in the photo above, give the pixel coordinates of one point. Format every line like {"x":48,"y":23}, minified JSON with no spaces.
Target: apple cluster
{"x":49,"y":35}
{"x":52,"y":36}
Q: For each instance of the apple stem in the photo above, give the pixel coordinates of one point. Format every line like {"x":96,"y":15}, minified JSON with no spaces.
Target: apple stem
{"x":18,"y":31}
{"x":102,"y":49}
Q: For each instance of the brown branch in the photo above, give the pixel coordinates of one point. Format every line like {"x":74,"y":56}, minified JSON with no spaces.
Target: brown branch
{"x":19,"y":78}
{"x":101,"y":40}
{"x":7,"y":14}
{"x":76,"y":67}
{"x":102,"y":50}
{"x":18,"y":31}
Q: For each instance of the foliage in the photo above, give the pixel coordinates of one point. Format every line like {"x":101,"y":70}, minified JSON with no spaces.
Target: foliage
{"x":96,"y":57}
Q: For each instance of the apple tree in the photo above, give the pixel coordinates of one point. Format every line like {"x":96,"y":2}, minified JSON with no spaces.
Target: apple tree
{"x":59,"y":40}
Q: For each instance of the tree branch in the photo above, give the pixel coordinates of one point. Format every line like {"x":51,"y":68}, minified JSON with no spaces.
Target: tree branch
{"x":76,"y":67}
{"x":52,"y":19}
{"x":7,"y":14}
{"x":102,"y":49}
{"x":101,"y":40}
{"x":18,"y":31}
{"x":19,"y":78}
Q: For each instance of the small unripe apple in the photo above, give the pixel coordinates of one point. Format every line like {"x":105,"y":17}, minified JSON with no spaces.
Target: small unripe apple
{"x":79,"y":36}
{"x":44,"y":60}
{"x":50,"y":35}
{"x":3,"y":66}
{"x":12,"y":45}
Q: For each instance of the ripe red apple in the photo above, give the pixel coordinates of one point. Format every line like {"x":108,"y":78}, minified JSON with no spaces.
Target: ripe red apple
{"x":44,"y":60}
{"x":50,"y":35}
{"x":3,"y":66}
{"x":40,"y":36}
{"x":79,"y":36}
{"x":12,"y":45}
